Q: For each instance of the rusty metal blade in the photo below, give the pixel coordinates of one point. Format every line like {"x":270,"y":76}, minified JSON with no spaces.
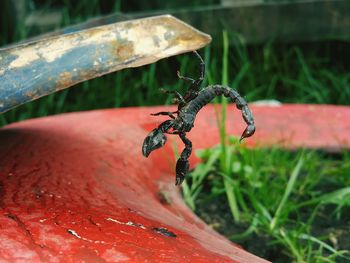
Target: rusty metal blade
{"x":36,"y":69}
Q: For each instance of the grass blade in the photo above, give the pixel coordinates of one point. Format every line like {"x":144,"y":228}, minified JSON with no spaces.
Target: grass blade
{"x":289,"y":188}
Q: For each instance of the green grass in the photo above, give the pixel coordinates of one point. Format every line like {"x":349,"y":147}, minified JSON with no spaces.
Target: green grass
{"x":295,"y":205}
{"x":283,"y":206}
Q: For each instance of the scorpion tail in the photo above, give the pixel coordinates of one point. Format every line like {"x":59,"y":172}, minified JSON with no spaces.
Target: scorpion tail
{"x":248,"y":118}
{"x":246,"y":113}
{"x":249,"y":131}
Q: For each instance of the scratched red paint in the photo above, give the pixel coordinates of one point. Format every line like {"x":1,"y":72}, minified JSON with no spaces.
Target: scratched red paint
{"x":76,"y":188}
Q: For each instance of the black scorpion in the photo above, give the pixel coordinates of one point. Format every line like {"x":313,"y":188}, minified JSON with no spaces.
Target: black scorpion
{"x":189,"y":106}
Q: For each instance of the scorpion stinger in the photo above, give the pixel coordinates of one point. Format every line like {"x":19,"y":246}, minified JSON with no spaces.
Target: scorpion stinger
{"x":189,"y":105}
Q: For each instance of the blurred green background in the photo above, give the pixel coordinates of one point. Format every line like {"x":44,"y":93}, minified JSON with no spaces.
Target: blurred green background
{"x":300,"y":71}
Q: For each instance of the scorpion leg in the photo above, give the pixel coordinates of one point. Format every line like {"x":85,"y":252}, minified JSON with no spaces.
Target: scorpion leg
{"x":201,"y":68}
{"x":167,"y":113}
{"x":184,"y":78}
{"x":177,"y":95}
{"x":201,"y":72}
{"x":195,"y":84}
{"x":182,"y":164}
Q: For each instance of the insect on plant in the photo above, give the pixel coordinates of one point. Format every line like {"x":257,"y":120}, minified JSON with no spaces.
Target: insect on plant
{"x":188,"y":107}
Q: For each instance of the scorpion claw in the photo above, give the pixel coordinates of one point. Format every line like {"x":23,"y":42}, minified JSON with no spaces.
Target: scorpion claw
{"x":153,"y":141}
{"x":182,"y":168}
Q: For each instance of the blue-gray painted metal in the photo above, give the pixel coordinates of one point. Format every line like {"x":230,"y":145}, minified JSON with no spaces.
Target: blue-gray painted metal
{"x":33,"y":70}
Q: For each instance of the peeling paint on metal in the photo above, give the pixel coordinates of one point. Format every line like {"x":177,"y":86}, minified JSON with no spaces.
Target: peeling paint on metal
{"x":35,"y":69}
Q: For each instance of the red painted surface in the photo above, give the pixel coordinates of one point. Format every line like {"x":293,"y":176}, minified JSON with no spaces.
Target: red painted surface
{"x":76,"y":188}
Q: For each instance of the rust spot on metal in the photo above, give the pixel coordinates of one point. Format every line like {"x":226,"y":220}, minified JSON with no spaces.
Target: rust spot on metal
{"x":65,"y":79}
{"x":31,"y":94}
{"x":125,"y":51}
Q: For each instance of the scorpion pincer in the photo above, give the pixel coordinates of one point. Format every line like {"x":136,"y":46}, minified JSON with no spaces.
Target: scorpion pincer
{"x":182,"y":120}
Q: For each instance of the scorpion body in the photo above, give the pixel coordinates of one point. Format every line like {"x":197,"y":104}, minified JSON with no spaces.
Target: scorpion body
{"x":189,"y":105}
{"x":208,"y":94}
